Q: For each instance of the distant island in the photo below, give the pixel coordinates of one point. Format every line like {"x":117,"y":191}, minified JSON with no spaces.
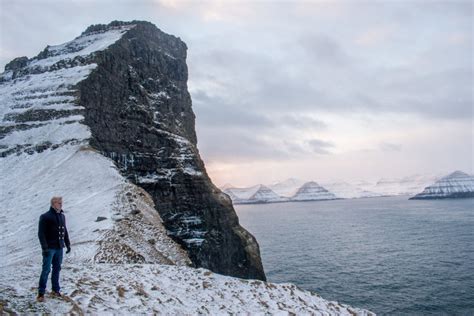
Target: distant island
{"x":455,"y":185}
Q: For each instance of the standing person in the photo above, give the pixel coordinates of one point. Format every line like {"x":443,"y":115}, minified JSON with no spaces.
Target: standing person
{"x":53,"y":236}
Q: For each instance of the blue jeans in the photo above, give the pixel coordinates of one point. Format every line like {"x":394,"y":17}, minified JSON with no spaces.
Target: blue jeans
{"x":54,"y":257}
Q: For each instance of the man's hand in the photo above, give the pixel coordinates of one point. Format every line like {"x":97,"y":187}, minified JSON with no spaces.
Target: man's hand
{"x":68,"y":249}
{"x":45,"y":251}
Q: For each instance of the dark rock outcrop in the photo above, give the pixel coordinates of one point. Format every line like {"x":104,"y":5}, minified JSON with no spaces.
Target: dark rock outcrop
{"x":139,"y":111}
{"x":17,"y":63}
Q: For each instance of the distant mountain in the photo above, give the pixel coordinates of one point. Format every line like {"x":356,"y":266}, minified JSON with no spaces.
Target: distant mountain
{"x":256,"y":194}
{"x":456,"y":185}
{"x":312,"y":191}
{"x":265,"y":195}
{"x":241,"y":193}
{"x":227,"y":186}
{"x":288,"y":187}
{"x":346,"y":190}
{"x":294,"y":189}
{"x":403,"y":186}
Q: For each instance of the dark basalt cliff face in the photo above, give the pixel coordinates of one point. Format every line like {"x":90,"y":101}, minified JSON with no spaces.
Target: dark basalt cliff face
{"x":139,"y":111}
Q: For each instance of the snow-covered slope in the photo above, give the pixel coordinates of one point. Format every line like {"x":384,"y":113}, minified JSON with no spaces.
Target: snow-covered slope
{"x":122,"y":259}
{"x":312,"y":191}
{"x":256,"y":194}
{"x":288,"y":187}
{"x":403,"y":186}
{"x":346,"y":190}
{"x":92,"y":188}
{"x":241,"y":194}
{"x":455,"y":185}
{"x":265,"y":195}
{"x":131,"y":289}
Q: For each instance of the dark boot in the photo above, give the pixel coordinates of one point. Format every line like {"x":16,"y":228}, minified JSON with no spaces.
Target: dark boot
{"x":56,"y":294}
{"x":40,"y":298}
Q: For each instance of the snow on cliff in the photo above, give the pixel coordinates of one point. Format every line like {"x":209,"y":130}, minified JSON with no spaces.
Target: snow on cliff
{"x":455,"y":185}
{"x":122,"y":260}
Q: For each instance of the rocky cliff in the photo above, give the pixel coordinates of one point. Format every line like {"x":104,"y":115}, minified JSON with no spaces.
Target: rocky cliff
{"x":121,"y":89}
{"x":139,"y":111}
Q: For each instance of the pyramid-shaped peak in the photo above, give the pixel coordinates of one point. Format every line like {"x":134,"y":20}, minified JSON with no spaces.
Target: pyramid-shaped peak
{"x":458,"y":174}
{"x":227,"y":186}
{"x":263,"y":187}
{"x":311,"y":184}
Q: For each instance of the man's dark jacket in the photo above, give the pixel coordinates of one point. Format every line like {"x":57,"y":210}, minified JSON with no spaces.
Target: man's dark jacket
{"x":52,"y":231}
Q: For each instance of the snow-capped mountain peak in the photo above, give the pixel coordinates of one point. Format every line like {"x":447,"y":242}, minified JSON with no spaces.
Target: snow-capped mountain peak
{"x":455,"y":185}
{"x":264,"y":195}
{"x":311,"y":191}
{"x":288,"y":187}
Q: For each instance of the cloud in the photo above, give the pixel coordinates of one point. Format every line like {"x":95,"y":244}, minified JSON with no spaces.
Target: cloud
{"x":324,"y":50}
{"x":216,"y":112}
{"x":265,"y":76}
{"x":390,"y":147}
{"x":373,"y":36}
{"x":239,"y":146}
{"x":302,"y":121}
{"x":319,"y":146}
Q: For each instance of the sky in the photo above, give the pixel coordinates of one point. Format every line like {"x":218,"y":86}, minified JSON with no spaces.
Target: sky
{"x":315,"y":90}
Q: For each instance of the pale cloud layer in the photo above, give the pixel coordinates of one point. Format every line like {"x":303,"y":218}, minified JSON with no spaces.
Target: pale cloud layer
{"x":339,"y":89}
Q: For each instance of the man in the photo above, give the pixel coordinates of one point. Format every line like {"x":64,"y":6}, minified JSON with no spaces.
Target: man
{"x":53,"y":236}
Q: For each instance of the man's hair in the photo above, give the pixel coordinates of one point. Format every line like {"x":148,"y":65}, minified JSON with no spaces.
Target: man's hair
{"x":56,"y":198}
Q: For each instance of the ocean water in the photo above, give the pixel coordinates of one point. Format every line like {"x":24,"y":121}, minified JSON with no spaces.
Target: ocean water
{"x":389,"y":255}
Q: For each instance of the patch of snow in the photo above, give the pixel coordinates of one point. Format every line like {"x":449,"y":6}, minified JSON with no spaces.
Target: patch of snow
{"x":191,"y":171}
{"x":161,"y":94}
{"x":83,"y":45}
{"x":53,"y":132}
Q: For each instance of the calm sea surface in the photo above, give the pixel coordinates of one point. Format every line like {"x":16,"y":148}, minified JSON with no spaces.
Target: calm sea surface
{"x":389,"y":255}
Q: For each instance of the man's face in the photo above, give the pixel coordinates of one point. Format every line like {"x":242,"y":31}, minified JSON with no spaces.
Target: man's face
{"x":57,"y":204}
